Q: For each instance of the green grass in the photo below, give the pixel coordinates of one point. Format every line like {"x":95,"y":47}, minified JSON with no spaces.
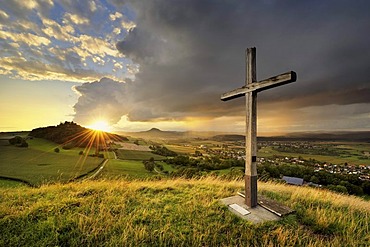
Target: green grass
{"x":39,"y":163}
{"x":6,"y":183}
{"x":166,"y":166}
{"x":129,"y":168}
{"x":137,"y":155}
{"x":174,"y":213}
{"x":125,"y":168}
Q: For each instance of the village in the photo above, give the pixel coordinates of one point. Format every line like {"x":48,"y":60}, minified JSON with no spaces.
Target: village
{"x":291,"y":152}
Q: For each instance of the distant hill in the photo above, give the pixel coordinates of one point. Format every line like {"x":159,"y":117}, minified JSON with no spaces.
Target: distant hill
{"x":360,"y":136}
{"x":73,"y":134}
{"x":155,"y":133}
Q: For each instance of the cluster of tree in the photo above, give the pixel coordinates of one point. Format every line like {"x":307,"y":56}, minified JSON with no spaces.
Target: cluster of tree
{"x":162,"y":150}
{"x":205,"y":163}
{"x":350,"y":183}
{"x":72,"y":135}
{"x":18,"y":142}
{"x":150,"y":165}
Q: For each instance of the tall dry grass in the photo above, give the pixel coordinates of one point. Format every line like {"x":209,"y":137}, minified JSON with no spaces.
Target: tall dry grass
{"x":174,"y":212}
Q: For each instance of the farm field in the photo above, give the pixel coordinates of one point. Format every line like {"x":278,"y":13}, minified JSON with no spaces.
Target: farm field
{"x":39,"y":164}
{"x":181,"y":149}
{"x":352,"y":157}
{"x":137,"y":155}
{"x":132,"y":146}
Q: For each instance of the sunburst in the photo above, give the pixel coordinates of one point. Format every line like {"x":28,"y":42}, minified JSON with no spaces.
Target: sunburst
{"x":100,"y":125}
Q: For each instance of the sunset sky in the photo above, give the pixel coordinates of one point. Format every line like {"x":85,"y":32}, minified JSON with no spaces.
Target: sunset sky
{"x":164,"y":64}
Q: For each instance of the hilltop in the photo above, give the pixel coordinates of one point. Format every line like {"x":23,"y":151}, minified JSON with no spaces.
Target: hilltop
{"x":155,"y":133}
{"x":73,"y":134}
{"x":174,"y":212}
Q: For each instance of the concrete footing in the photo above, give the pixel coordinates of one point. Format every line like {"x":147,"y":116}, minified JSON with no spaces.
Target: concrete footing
{"x":257,"y":214}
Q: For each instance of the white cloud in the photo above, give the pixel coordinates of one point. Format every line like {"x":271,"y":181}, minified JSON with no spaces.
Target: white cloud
{"x":118,"y":66}
{"x":97,"y":46}
{"x":38,"y":46}
{"x":128,"y":25}
{"x":33,"y":4}
{"x":92,"y":6}
{"x":116,"y":30}
{"x":27,"y":38}
{"x":30,"y":4}
{"x":75,"y":19}
{"x":115,"y":16}
{"x":54,"y":29}
{"x":3,"y":15}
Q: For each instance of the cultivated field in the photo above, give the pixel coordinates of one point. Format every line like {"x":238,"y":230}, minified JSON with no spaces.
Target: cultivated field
{"x":137,"y":155}
{"x":351,"y":156}
{"x":132,"y":146}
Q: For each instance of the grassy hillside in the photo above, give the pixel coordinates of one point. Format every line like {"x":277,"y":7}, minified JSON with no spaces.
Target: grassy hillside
{"x":129,"y":169}
{"x":174,"y":213}
{"x":39,"y":163}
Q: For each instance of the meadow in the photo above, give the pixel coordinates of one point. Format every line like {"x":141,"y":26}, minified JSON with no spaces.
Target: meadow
{"x":129,"y":169}
{"x":174,"y":212}
{"x":39,"y":163}
{"x":137,"y":155}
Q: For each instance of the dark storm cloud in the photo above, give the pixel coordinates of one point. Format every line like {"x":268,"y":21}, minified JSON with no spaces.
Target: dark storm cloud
{"x":192,"y":51}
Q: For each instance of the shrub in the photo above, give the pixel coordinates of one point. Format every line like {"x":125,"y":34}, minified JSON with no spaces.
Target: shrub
{"x":16,"y":140}
{"x":149,"y":164}
{"x":56,"y":150}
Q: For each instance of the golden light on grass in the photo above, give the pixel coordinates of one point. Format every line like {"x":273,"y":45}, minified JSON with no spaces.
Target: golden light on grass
{"x":176,"y":212}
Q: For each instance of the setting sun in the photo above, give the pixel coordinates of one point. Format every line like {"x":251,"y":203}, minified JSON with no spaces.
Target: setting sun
{"x":100,"y":125}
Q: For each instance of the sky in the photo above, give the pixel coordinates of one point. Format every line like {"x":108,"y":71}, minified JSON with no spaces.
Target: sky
{"x":164,"y":64}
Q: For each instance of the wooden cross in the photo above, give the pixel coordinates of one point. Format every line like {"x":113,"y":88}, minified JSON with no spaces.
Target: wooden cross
{"x":250,"y":90}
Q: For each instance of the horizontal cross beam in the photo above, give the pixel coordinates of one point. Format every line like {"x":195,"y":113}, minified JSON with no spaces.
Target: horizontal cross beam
{"x":260,"y":86}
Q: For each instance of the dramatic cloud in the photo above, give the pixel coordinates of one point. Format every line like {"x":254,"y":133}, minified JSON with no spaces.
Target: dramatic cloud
{"x":190,"y":52}
{"x":105,"y":99}
{"x":171,"y":60}
{"x":62,"y":40}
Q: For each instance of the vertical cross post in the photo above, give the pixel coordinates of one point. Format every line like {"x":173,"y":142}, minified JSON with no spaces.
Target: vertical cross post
{"x":250,"y":90}
{"x":251,"y":131}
